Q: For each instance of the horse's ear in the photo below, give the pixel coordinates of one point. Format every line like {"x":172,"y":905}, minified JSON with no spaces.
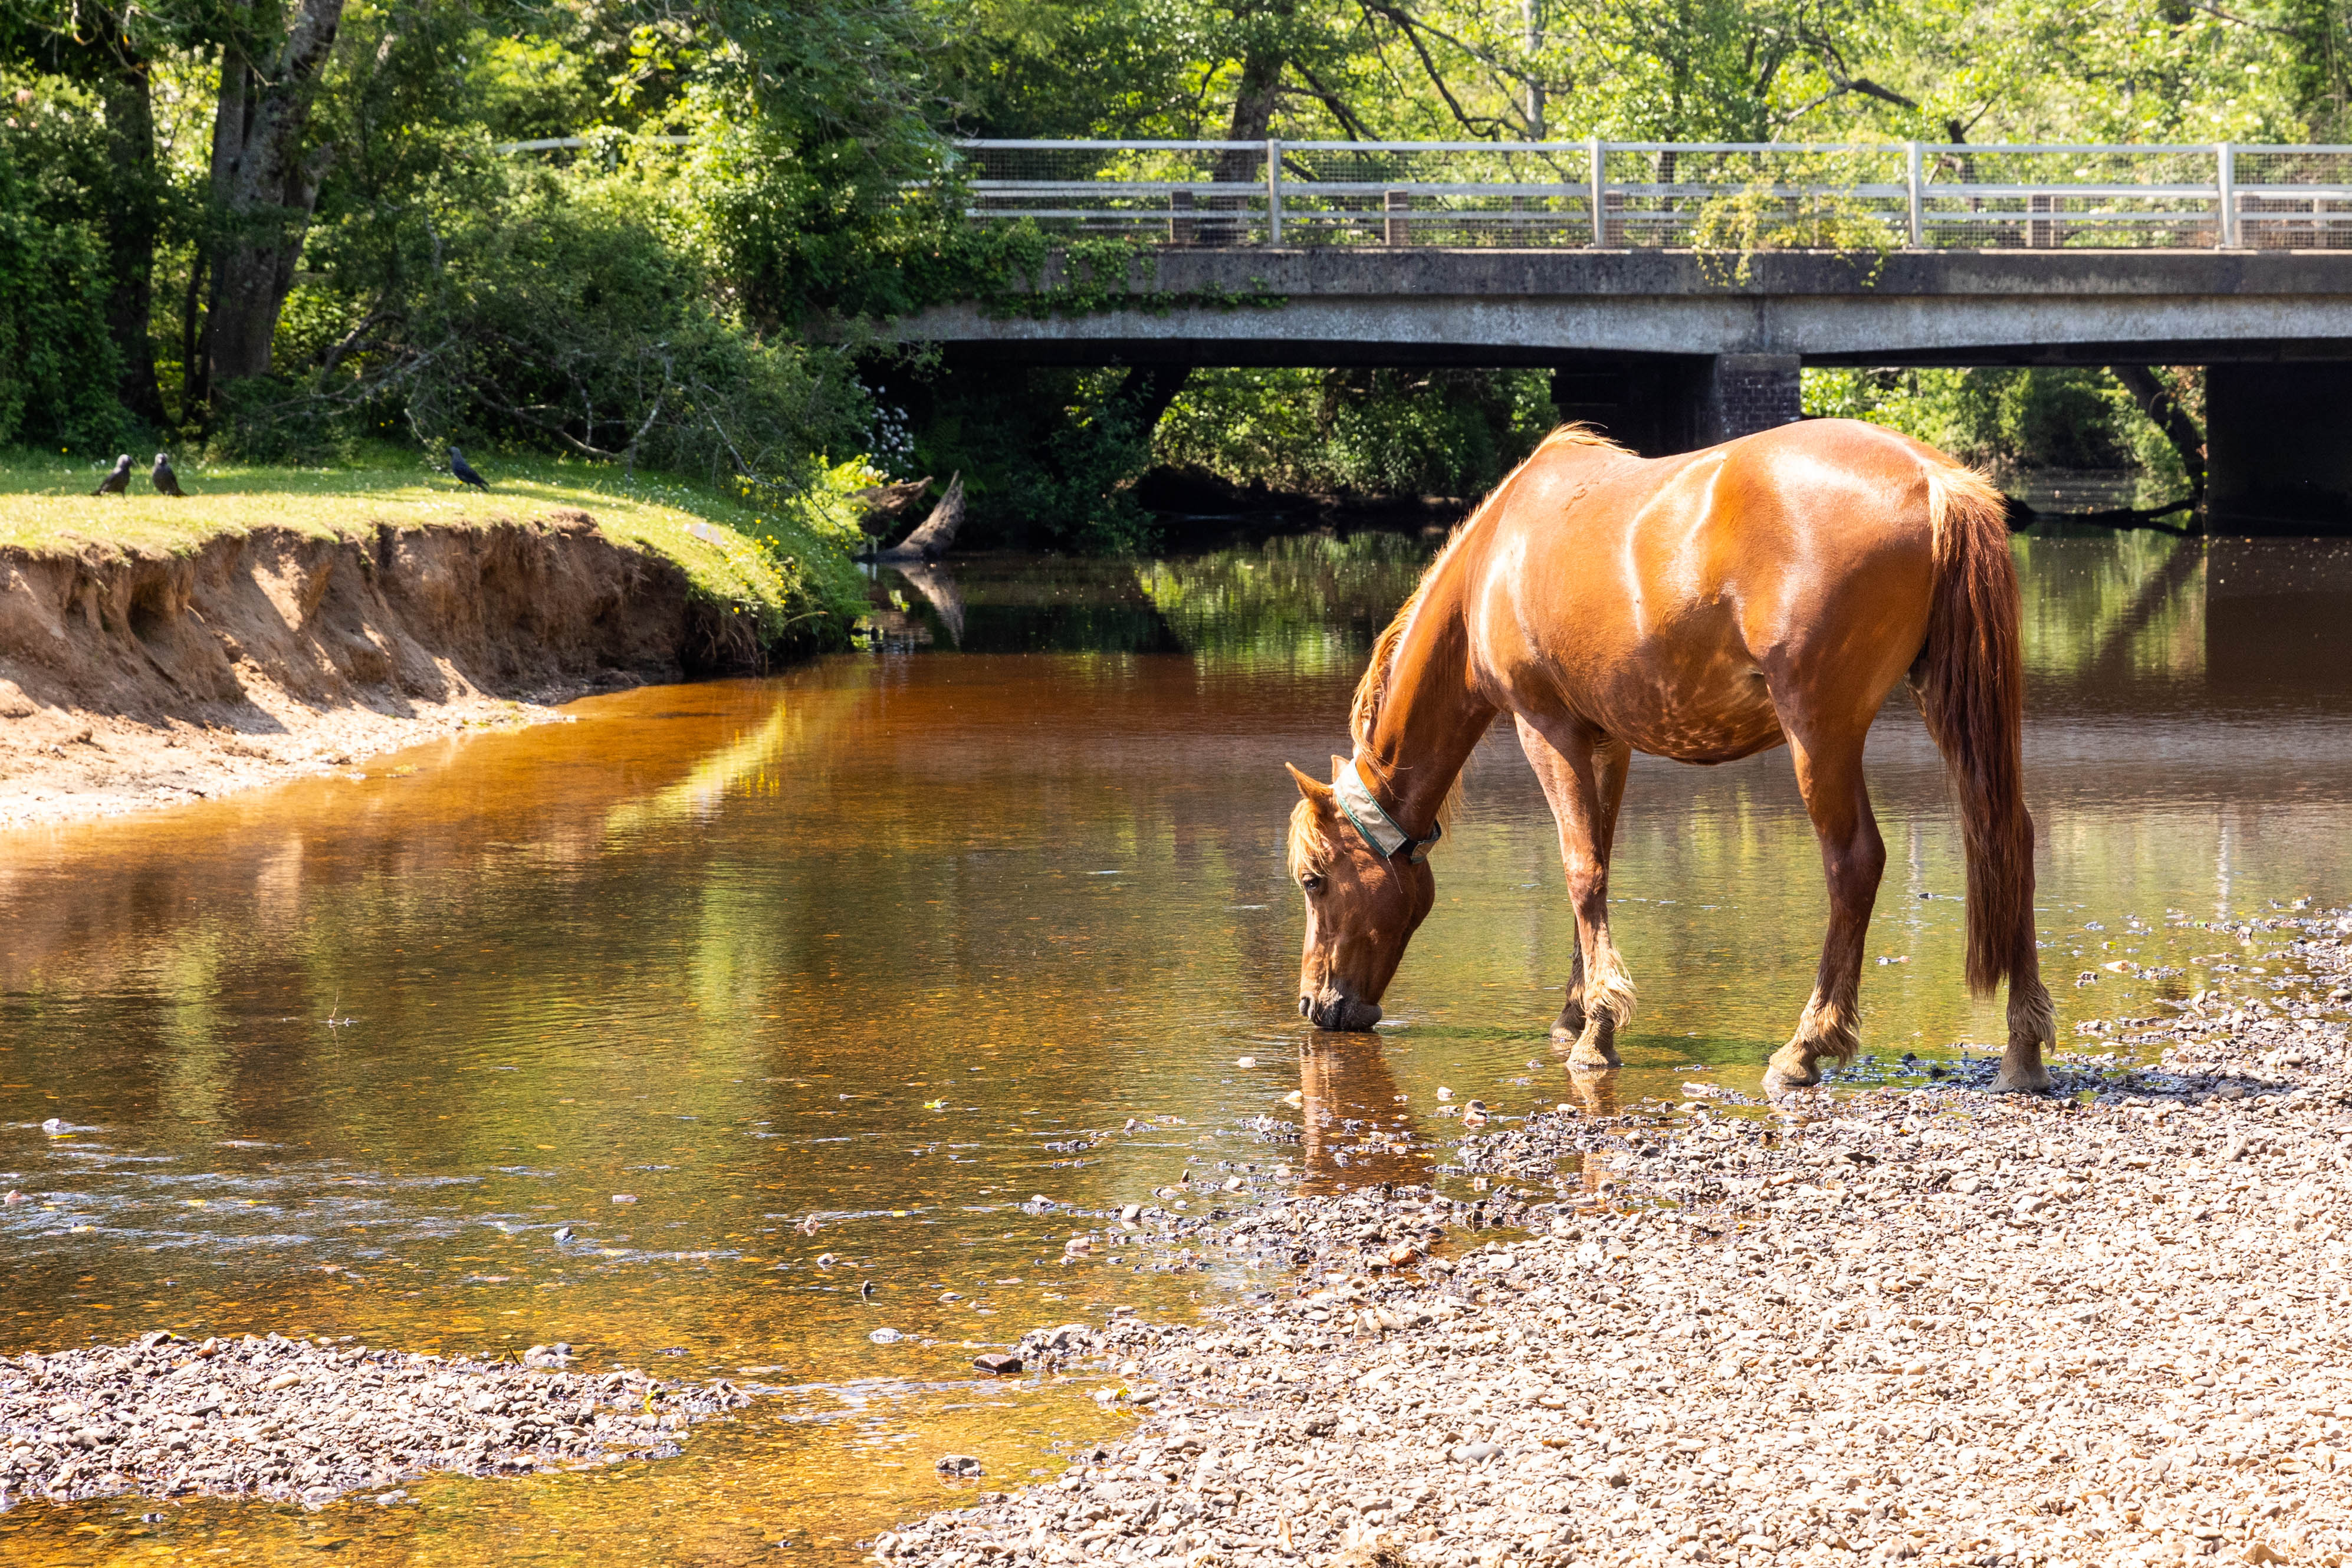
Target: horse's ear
{"x":1315,"y":790}
{"x":1339,"y":766}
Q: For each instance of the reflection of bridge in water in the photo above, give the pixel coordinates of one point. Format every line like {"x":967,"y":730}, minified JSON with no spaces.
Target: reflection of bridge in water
{"x":1675,"y":290}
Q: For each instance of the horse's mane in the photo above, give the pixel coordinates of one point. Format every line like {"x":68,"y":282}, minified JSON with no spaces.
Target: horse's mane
{"x":1364,"y":711}
{"x":1308,"y":850}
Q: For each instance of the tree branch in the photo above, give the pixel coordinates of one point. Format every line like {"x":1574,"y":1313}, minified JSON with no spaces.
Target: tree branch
{"x":1405,"y":24}
{"x":1870,"y":88}
{"x":1330,"y":100}
{"x":2122,"y":519}
{"x":2164,"y":411}
{"x":2213,"y":10}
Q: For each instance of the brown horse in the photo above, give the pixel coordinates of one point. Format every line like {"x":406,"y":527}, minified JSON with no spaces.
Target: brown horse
{"x":1701,"y":607}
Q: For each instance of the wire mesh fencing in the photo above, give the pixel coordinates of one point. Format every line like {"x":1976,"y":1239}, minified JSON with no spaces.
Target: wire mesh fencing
{"x":1710,"y":196}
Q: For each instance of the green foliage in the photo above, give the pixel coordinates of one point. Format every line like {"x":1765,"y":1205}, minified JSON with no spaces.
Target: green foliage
{"x":1047,"y":456}
{"x":57,"y":361}
{"x":699,"y":307}
{"x":1370,"y":432}
{"x":568,"y":317}
{"x":1765,"y":214}
{"x":2004,"y":419}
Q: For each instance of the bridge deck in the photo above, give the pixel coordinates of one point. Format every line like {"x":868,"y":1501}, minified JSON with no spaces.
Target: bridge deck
{"x":1546,"y":306}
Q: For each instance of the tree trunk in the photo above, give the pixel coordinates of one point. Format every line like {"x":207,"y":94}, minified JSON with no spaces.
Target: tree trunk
{"x":134,"y":218}
{"x":2164,"y":409}
{"x":937,"y":532}
{"x":1147,"y":390}
{"x":264,"y":188}
{"x":1253,"y":118}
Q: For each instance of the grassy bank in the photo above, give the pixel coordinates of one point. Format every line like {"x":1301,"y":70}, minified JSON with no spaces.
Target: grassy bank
{"x":788,"y":564}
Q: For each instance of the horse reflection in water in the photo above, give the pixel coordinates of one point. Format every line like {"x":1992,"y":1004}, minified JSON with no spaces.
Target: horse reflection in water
{"x":1594,"y":1095}
{"x":1358,"y":1129}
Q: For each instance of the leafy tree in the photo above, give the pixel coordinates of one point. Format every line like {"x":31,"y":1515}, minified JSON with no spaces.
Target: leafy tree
{"x":58,"y":361}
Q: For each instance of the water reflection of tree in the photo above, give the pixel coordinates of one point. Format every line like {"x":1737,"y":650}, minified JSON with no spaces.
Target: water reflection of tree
{"x":2100,"y":610}
{"x":1313,"y":600}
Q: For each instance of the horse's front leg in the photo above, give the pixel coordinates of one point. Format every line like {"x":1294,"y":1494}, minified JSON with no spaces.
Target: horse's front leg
{"x":1585,"y":784}
{"x":1854,"y":857}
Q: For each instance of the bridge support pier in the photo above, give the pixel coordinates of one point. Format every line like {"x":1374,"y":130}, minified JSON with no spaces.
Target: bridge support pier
{"x":2278,"y":448}
{"x":1744,"y":393}
{"x":1663,"y":403}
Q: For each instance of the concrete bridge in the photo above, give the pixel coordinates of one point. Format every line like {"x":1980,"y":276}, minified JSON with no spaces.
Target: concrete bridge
{"x":1668,"y":346}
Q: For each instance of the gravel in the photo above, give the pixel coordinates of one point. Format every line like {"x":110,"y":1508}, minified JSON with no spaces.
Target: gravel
{"x":1923,"y":1324}
{"x":309,"y":1420}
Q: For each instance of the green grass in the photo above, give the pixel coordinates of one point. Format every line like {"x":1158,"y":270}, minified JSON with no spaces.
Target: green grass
{"x":789,"y":564}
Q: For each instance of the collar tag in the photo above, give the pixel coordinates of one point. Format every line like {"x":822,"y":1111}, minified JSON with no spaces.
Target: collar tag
{"x":1380,"y":829}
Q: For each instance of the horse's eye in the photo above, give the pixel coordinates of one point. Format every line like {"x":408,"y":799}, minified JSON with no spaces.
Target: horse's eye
{"x":1310,"y":883}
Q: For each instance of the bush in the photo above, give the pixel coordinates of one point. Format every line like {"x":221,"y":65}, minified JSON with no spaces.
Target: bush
{"x":58,"y":366}
{"x":561,"y":309}
{"x":1047,"y":455}
{"x":1368,"y":432}
{"x":2005,"y":420}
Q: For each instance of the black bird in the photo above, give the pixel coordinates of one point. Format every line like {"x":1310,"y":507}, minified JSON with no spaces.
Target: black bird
{"x":118,"y":482}
{"x":166,"y":482}
{"x":464,"y":471}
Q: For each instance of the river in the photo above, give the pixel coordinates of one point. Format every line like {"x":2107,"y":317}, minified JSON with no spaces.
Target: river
{"x":990,"y":912}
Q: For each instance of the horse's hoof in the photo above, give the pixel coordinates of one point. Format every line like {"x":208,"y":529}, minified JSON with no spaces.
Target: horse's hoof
{"x":1568,"y":1026}
{"x":2028,"y":1081}
{"x":1781,"y":1077}
{"x":1596,"y":1048}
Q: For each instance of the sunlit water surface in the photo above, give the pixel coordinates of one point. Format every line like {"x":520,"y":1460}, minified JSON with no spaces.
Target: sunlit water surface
{"x":909,"y":937}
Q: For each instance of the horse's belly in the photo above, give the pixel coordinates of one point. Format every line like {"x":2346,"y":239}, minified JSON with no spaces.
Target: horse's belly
{"x":1717,"y":716}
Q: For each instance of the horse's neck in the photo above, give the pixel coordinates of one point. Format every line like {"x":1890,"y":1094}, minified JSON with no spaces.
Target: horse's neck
{"x":1430,"y":718}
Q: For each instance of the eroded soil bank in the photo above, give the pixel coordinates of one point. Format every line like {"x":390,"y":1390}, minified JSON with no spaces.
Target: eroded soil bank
{"x":130,"y":679}
{"x":1929,"y":1325}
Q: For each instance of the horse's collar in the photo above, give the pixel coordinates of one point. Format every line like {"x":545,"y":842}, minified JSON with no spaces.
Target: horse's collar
{"x":1389,"y":841}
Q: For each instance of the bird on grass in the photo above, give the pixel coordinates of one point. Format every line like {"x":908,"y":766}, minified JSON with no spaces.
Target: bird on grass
{"x":166,"y":482}
{"x":463,"y":471}
{"x":118,"y":482}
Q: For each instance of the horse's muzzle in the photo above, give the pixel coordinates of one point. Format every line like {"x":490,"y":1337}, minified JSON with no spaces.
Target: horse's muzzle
{"x":1342,"y":1015}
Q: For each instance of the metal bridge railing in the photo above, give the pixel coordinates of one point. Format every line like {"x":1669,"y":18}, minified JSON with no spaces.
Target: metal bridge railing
{"x":1617,"y":195}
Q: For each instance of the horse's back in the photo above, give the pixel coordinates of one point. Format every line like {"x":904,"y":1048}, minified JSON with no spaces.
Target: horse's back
{"x":1663,"y":596}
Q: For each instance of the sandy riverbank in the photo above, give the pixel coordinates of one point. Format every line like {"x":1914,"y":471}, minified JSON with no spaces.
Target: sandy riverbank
{"x":1928,"y":1325}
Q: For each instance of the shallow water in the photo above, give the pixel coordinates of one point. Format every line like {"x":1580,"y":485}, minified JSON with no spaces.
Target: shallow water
{"x":907,"y":938}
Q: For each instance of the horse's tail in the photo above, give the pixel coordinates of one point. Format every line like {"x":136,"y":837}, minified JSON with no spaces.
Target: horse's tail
{"x":1972,"y":690}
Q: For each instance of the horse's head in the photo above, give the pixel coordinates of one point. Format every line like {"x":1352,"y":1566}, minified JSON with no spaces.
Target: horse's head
{"x":1362,"y":907}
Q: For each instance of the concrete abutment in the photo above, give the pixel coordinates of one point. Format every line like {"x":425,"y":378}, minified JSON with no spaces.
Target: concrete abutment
{"x":2278,"y":448}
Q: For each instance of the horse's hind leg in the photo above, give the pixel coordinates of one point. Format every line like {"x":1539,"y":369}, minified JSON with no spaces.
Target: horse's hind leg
{"x":1828,"y":772}
{"x":1585,"y":785}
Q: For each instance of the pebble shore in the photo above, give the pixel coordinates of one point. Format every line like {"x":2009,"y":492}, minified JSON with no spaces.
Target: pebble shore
{"x":2110,"y":1327}
{"x":306,"y":1420}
